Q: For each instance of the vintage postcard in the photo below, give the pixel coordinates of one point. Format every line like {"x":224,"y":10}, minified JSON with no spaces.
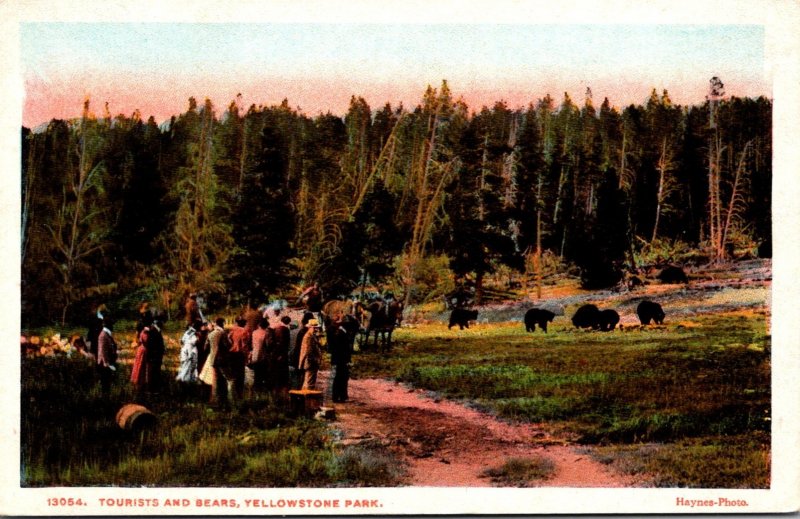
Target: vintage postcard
{"x":400,"y":258}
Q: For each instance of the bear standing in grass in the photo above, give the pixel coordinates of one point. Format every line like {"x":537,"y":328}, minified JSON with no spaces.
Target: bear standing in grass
{"x":538,"y":316}
{"x":607,"y":320}
{"x":587,"y":316}
{"x":462,"y":317}
{"x":648,"y":310}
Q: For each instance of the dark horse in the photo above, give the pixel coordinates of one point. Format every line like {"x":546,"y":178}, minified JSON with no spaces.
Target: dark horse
{"x":383,"y":318}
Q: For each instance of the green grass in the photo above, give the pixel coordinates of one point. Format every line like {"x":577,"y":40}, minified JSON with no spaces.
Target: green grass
{"x":703,"y":380}
{"x":732,"y":461}
{"x":69,"y":438}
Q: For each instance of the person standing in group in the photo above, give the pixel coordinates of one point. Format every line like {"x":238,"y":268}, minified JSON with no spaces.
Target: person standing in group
{"x":257,"y":365}
{"x":211,"y":374}
{"x":145,"y":316}
{"x":341,"y":350}
{"x":310,"y":355}
{"x":155,"y":354}
{"x":139,"y":369}
{"x":279,"y":364}
{"x":202,"y":344}
{"x":187,"y":371}
{"x":95,"y":328}
{"x":240,"y":345}
{"x":295,"y":371}
{"x":106,"y":357}
{"x":192,"y":308}
{"x":252,"y":316}
{"x":274,"y":316}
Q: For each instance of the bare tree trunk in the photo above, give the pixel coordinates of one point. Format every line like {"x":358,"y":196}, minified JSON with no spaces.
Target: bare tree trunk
{"x":415,"y":247}
{"x":386,"y":156}
{"x":243,"y":155}
{"x":538,"y":257}
{"x":664,"y":164}
{"x":714,"y":203}
{"x":735,"y":194}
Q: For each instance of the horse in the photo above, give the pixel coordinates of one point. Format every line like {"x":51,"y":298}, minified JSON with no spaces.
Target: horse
{"x":395,"y":313}
{"x":383,"y":318}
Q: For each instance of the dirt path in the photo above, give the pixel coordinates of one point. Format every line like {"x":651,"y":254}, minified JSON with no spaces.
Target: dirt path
{"x":446,"y":444}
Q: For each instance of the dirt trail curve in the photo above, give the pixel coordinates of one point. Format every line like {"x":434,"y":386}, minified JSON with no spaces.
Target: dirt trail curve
{"x":446,"y":444}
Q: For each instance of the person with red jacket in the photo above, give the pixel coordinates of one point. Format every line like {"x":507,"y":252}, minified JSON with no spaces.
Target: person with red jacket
{"x":240,"y":341}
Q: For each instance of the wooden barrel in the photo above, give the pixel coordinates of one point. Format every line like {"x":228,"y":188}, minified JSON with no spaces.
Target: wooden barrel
{"x":135,"y":417}
{"x":305,"y":401}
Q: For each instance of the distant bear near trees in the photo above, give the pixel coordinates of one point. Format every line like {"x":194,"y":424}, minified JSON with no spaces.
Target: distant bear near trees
{"x":672,"y":275}
{"x":587,"y":316}
{"x":648,"y":310}
{"x":462,"y":317}
{"x":538,"y":316}
{"x":607,"y":320}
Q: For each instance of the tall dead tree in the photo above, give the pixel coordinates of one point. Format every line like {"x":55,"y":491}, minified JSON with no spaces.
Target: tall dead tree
{"x":715,"y":149}
{"x":78,"y":229}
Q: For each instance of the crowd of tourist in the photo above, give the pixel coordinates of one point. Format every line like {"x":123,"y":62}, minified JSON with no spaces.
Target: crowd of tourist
{"x":261,"y":351}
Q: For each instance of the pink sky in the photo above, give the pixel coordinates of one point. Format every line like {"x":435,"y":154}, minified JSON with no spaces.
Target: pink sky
{"x":156,"y":68}
{"x":44,"y":101}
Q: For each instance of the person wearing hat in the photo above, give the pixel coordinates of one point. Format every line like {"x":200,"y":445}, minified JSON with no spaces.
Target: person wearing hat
{"x":310,"y":355}
{"x":296,"y":374}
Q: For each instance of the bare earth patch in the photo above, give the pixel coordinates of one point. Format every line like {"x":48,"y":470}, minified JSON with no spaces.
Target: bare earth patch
{"x":446,"y":444}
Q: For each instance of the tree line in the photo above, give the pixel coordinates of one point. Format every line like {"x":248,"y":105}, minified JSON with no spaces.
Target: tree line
{"x":245,"y":204}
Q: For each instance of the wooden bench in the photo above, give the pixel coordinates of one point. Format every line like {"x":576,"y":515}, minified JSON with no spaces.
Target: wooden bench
{"x":305,"y":401}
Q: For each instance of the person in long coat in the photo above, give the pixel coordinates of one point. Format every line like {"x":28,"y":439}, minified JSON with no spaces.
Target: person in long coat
{"x":240,"y":345}
{"x":187,"y":371}
{"x":95,"y":328}
{"x":139,"y":370}
{"x":257,"y":365}
{"x":341,"y":349}
{"x":311,"y":355}
{"x":209,"y":374}
{"x":279,"y":371}
{"x":295,"y":371}
{"x":155,"y":355}
{"x":106,"y":357}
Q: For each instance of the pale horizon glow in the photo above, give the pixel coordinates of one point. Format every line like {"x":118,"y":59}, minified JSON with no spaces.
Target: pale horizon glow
{"x":156,"y":67}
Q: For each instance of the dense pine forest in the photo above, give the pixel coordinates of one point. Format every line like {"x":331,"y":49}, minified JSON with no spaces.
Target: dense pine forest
{"x":247,"y":204}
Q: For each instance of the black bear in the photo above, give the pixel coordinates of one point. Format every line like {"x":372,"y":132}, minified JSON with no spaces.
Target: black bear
{"x":538,"y":316}
{"x":648,"y":310}
{"x":586,"y":316}
{"x":462,"y":317}
{"x":672,"y":275}
{"x":607,"y":320}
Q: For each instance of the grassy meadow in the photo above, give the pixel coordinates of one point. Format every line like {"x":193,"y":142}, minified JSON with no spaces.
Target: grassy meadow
{"x":69,"y":438}
{"x":686,"y":404}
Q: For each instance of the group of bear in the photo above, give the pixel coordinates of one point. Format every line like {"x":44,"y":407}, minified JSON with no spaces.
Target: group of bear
{"x":587,"y":316}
